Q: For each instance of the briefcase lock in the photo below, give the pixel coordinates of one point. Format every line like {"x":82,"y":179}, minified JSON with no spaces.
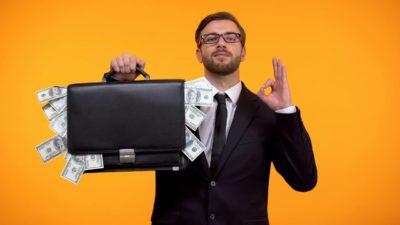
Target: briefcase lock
{"x":127,"y":155}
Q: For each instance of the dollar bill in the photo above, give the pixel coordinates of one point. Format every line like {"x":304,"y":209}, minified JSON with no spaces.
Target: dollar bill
{"x":59,"y":104}
{"x":199,"y":83}
{"x":74,"y":169}
{"x":51,"y":93}
{"x":67,"y":156}
{"x":51,"y":148}
{"x":193,"y":117}
{"x":49,"y":111}
{"x":65,"y":140}
{"x":198,"y":96}
{"x":59,"y":124}
{"x":94,"y":161}
{"x":193,"y":147}
{"x":79,"y":157}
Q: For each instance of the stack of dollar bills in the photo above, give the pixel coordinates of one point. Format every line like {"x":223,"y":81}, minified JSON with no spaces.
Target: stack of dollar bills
{"x":197,"y":93}
{"x":55,"y":111}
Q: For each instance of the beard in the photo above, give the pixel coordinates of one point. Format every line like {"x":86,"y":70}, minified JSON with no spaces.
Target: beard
{"x":221,"y":68}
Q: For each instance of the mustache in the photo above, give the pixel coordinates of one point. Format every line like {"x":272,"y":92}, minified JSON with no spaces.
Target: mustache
{"x":221,"y":51}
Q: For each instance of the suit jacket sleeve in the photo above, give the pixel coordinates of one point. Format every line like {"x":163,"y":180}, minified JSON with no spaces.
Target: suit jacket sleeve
{"x":293,"y":156}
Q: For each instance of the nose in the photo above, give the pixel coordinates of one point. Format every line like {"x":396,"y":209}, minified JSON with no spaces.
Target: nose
{"x":221,"y":42}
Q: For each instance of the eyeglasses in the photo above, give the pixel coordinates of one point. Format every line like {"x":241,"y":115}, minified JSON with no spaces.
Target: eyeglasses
{"x":213,"y":38}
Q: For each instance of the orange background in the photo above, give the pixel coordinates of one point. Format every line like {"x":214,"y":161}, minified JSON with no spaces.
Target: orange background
{"x":342,"y":59}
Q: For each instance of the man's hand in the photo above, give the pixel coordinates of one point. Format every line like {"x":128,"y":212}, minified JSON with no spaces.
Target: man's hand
{"x":124,"y":67}
{"x":279,"y":97}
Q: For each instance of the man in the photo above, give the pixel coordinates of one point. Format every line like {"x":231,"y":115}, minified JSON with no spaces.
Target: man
{"x":228,"y":183}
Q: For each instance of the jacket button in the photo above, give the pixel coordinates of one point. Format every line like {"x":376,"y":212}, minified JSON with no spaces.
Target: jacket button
{"x":213,"y":183}
{"x":212,"y":216}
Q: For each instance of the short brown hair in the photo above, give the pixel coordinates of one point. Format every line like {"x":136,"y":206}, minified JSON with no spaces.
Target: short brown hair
{"x":219,"y":16}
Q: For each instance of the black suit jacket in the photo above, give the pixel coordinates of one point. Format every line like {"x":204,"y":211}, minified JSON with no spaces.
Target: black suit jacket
{"x":238,"y":192}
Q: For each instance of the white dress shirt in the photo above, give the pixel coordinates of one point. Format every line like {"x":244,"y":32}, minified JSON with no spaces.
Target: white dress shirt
{"x":206,"y":129}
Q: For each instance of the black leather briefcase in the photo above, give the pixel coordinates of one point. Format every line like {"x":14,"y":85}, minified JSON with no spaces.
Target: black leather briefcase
{"x":136,"y":125}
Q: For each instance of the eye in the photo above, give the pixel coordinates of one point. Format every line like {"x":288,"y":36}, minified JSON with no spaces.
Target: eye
{"x":211,"y":38}
{"x":231,"y":37}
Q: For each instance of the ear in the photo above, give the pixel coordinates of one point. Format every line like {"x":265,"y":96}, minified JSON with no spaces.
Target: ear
{"x":243,"y":54}
{"x":198,"y":55}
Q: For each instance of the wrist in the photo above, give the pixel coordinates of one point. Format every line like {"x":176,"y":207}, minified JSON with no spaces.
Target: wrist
{"x":287,"y":110}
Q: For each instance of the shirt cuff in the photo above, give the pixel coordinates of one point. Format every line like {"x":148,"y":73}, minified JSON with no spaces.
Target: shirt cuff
{"x":287,"y":110}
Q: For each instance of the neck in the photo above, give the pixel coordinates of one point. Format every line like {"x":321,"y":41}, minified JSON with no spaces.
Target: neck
{"x":222,"y":82}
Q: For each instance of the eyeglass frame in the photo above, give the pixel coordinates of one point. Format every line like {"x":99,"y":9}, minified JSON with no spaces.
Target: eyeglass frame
{"x":239,"y":35}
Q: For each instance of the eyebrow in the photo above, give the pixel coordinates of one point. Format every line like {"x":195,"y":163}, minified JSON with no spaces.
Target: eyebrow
{"x":228,"y":32}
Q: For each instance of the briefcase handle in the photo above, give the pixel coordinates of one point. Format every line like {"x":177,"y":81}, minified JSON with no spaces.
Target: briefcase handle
{"x":139,"y":70}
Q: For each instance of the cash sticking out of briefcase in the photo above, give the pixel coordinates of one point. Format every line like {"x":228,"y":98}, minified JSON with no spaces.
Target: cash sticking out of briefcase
{"x":128,"y":126}
{"x":135,"y":126}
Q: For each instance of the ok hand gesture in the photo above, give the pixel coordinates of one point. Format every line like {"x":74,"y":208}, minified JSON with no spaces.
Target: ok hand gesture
{"x":279,"y":97}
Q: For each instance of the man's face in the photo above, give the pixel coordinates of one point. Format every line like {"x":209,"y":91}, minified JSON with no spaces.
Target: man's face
{"x":221,"y":58}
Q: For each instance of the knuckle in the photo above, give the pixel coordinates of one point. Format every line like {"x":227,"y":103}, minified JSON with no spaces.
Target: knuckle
{"x":120,"y":63}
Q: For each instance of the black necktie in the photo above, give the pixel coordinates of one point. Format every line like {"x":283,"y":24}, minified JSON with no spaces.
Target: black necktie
{"x":219,"y":131}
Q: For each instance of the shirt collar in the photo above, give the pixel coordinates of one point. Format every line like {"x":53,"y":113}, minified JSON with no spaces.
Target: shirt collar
{"x":233,"y":92}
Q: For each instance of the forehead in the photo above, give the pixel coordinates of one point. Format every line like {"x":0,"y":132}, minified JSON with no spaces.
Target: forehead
{"x":220,"y":26}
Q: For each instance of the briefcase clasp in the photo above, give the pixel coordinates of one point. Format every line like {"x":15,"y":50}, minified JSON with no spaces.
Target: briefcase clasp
{"x":127,"y":155}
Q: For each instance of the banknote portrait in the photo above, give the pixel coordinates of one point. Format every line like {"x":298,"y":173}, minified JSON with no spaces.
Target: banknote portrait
{"x":192,"y":96}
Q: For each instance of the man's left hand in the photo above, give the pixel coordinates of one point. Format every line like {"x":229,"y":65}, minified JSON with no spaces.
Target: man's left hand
{"x":279,"y":98}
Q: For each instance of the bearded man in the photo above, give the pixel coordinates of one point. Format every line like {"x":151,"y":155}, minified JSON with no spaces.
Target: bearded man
{"x":244,"y":134}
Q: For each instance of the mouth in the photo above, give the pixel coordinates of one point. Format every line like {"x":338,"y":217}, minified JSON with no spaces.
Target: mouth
{"x":221,"y":54}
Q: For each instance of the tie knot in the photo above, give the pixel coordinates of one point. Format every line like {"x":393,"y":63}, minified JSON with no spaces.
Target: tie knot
{"x":220,"y":98}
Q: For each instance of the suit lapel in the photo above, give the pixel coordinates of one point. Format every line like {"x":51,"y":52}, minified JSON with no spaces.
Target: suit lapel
{"x":245,"y":110}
